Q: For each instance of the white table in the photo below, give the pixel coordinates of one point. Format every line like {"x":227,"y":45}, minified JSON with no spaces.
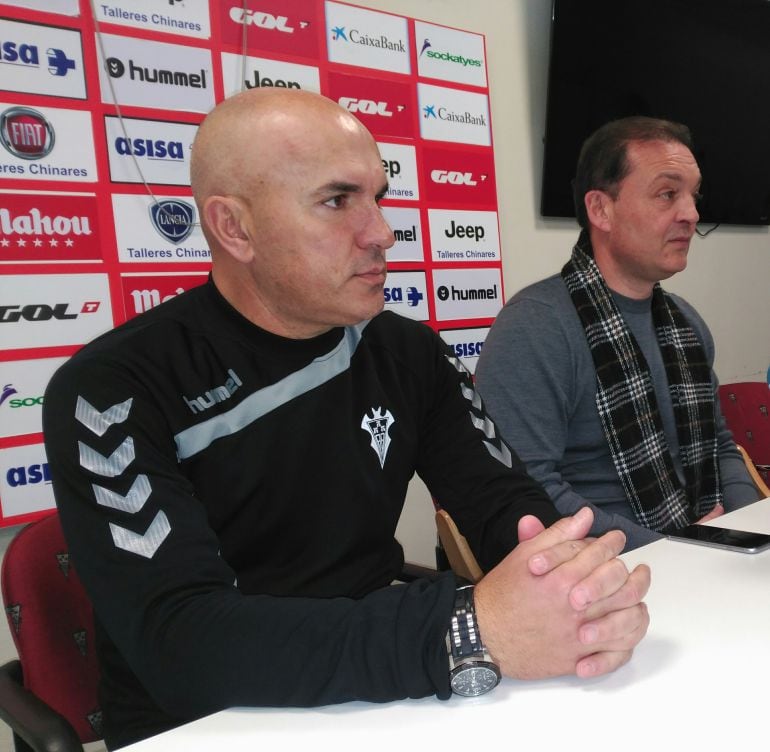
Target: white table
{"x":698,"y":681}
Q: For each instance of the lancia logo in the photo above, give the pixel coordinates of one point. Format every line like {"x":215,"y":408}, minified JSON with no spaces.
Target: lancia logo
{"x":25,"y":133}
{"x":173,"y":219}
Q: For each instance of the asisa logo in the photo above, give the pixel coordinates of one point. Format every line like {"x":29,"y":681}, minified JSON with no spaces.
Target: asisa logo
{"x":173,"y":219}
{"x":25,"y":133}
{"x":28,"y":475}
{"x":396,"y":295}
{"x":150,"y":148}
{"x":13,"y":53}
{"x":467,"y":349}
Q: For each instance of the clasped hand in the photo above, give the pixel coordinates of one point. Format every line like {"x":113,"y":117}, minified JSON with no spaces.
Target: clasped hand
{"x":560,"y":603}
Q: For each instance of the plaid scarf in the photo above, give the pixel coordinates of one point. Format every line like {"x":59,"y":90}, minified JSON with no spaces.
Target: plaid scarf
{"x":628,"y":410}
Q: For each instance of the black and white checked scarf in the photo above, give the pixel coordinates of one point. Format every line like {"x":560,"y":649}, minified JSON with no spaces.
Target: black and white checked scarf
{"x":628,"y":410}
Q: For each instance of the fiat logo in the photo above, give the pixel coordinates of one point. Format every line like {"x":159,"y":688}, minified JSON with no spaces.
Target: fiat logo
{"x":25,"y":133}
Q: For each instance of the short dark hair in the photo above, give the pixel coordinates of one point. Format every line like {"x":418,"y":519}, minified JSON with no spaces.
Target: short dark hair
{"x":603,"y":160}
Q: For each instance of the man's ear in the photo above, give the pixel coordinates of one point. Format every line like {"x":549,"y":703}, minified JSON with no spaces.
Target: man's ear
{"x":225,"y":219}
{"x":599,"y":209}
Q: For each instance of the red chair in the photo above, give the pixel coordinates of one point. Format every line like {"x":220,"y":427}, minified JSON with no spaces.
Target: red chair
{"x":746,"y":407}
{"x":48,"y":695}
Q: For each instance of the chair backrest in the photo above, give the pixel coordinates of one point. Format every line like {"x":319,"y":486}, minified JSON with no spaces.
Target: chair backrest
{"x":457,"y":550}
{"x":52,"y":625}
{"x":753,"y":471}
{"x":746,"y":407}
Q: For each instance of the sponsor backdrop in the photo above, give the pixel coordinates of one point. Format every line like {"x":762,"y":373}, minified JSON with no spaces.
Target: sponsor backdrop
{"x":99,"y":105}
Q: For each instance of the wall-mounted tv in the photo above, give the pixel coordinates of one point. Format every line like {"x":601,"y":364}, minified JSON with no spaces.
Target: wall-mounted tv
{"x":705,"y":63}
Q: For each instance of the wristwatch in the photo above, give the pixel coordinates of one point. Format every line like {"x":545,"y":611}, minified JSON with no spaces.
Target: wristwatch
{"x":471,"y":669}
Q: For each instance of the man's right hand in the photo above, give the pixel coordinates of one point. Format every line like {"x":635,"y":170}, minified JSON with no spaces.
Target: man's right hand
{"x":558,"y":604}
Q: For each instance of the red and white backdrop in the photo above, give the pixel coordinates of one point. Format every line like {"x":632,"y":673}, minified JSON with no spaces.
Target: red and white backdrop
{"x":99,"y":104}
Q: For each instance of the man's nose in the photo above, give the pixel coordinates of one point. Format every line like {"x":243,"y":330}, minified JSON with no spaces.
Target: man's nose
{"x":376,"y":231}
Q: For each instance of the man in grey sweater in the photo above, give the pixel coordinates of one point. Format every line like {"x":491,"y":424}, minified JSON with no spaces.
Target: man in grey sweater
{"x":603,"y":383}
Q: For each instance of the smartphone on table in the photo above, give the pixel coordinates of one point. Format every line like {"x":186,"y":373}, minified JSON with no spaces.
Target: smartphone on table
{"x":722,"y":537}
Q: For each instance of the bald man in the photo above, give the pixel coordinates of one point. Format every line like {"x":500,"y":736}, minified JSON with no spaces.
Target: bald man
{"x":230,"y":466}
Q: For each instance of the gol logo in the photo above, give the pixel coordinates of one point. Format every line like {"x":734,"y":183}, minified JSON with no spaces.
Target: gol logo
{"x":25,"y":133}
{"x":453,"y":178}
{"x":261,"y":19}
{"x":365,"y":106}
{"x":43,"y":311}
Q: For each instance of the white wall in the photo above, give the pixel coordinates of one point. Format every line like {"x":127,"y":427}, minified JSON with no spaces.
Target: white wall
{"x":728,"y":273}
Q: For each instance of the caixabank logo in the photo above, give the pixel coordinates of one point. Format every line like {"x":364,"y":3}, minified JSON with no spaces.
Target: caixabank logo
{"x":25,"y":481}
{"x":141,"y":292}
{"x":454,"y":115}
{"x":386,"y":108}
{"x":152,"y":151}
{"x":405,"y":293}
{"x":272,"y":26}
{"x":181,"y":17}
{"x":36,"y":227}
{"x":459,"y":177}
{"x":240,"y":73}
{"x":50,"y":310}
{"x":36,"y":59}
{"x":366,"y":38}
{"x":147,"y":73}
{"x":158,"y":229}
{"x":46,"y":143}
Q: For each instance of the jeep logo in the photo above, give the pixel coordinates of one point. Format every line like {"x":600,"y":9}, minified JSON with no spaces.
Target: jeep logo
{"x":392,"y":167}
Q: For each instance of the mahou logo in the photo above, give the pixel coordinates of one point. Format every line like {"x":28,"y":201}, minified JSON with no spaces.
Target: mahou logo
{"x":48,"y":227}
{"x":25,"y":133}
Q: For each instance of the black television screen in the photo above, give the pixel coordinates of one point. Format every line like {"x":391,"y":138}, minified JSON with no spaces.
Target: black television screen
{"x":704,"y":63}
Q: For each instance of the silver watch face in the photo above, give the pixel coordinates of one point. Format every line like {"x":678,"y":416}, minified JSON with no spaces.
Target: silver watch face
{"x":474,"y":679}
